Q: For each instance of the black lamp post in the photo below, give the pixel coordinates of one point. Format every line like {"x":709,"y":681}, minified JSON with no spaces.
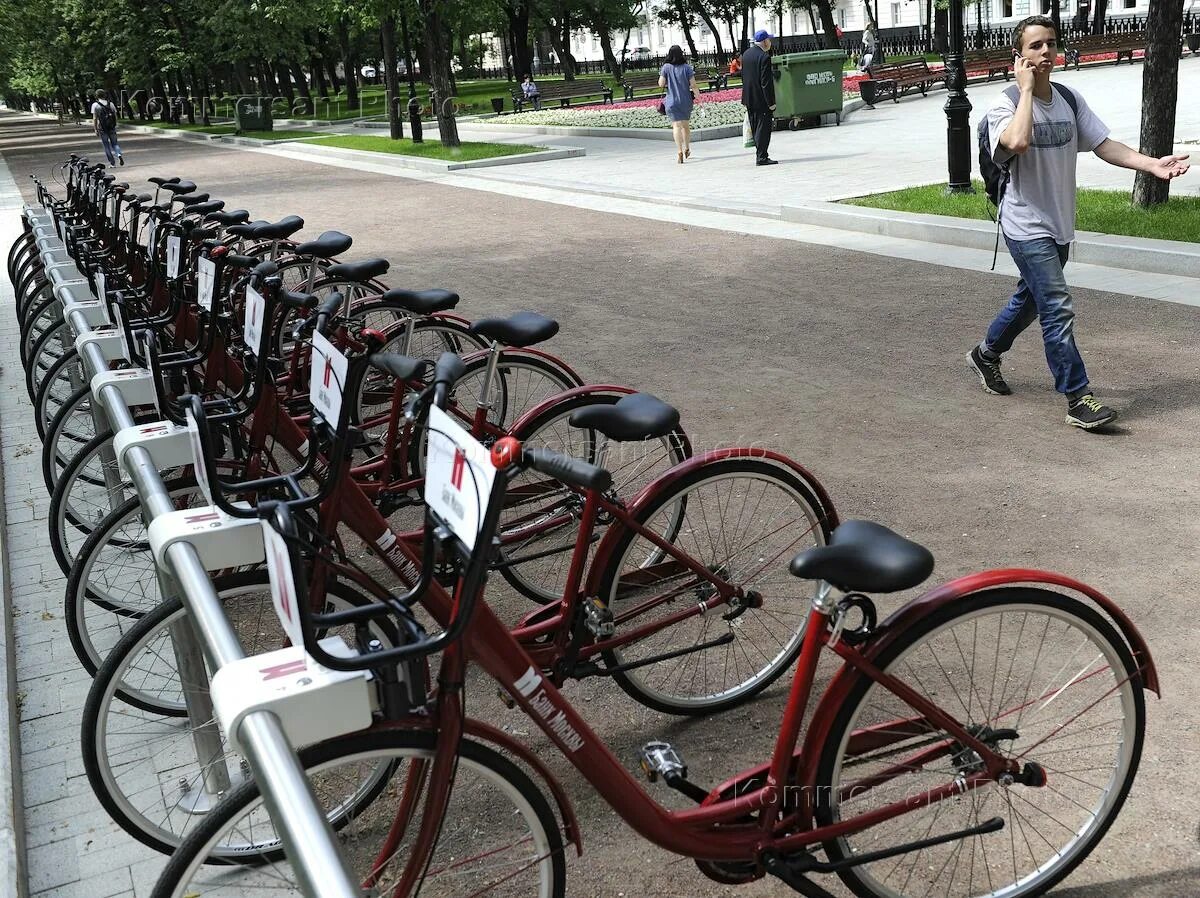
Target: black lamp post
{"x":414,"y":106}
{"x":958,"y":107}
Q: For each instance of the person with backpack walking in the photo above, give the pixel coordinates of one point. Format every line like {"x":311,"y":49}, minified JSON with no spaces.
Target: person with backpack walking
{"x":104,"y":120}
{"x":1029,"y":146}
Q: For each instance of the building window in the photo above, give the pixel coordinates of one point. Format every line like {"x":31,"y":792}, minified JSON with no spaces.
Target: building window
{"x":1130,"y":4}
{"x":895,"y":14}
{"x":842,"y":18}
{"x":1006,"y":9}
{"x":1045,"y":7}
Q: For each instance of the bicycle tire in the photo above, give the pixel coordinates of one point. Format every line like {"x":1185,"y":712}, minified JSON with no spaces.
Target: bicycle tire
{"x":511,"y":781}
{"x":72,"y":427}
{"x":114,"y":737}
{"x":43,"y":314}
{"x":94,"y":605}
{"x":1097,"y":635}
{"x":56,"y":388}
{"x":778,"y":615}
{"x":54,"y":343}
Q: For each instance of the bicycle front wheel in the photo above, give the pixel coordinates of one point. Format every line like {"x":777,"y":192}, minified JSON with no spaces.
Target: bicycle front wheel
{"x":498,"y":836}
{"x":1038,"y":676}
{"x":742,"y":519}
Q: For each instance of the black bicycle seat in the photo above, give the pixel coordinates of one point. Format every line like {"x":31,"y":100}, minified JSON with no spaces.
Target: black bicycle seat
{"x":521,"y":329}
{"x":328,"y":245}
{"x":359,"y":271}
{"x":237,"y":216}
{"x":205,"y":207}
{"x":422,"y":302}
{"x":161,"y":181}
{"x":178,"y":187}
{"x":278,"y":230}
{"x":865,"y":557}
{"x":190,"y":199}
{"x":246,"y":228}
{"x":638,"y":416}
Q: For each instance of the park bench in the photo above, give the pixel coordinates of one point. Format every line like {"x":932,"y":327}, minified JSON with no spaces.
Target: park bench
{"x":719,"y":79}
{"x":641,"y":81}
{"x":564,"y":92}
{"x":997,"y":60}
{"x":1121,"y":44}
{"x":897,"y":78}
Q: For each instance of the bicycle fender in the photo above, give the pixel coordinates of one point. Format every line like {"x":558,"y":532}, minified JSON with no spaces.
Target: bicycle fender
{"x":972,"y":583}
{"x":546,"y":404}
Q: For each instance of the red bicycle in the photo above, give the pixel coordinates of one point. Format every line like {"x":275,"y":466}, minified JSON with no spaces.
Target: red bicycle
{"x":978,"y":742}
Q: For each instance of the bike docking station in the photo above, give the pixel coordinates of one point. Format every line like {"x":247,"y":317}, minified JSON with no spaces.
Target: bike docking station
{"x":265,"y":723}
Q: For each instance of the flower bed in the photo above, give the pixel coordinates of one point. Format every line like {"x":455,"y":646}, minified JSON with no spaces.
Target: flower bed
{"x":637,"y":114}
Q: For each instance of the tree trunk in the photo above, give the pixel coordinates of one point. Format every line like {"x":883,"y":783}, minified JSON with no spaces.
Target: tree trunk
{"x":928,"y":36}
{"x":1160,"y":91}
{"x":330,"y":61}
{"x":1056,"y":17}
{"x":941,"y":30}
{"x":302,"y":87}
{"x":699,"y":9}
{"x":285,"y":84}
{"x":733,"y":41}
{"x":828,"y":25}
{"x":1101,"y":12}
{"x":560,"y":41}
{"x":241,"y":73}
{"x":387,"y":35}
{"x":684,"y":23}
{"x":610,"y":59}
{"x":437,"y":45}
{"x":159,"y":93}
{"x":812,"y":18}
{"x":517,"y":14}
{"x":317,"y":65}
{"x":351,"y":73}
{"x":874,"y":22}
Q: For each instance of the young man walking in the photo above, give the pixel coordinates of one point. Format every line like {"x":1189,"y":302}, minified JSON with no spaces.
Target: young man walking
{"x":1039,"y":135}
{"x":758,"y":94}
{"x":104,"y":119}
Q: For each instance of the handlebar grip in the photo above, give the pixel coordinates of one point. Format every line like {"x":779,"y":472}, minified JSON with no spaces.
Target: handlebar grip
{"x":569,"y":470}
{"x":398,"y":366}
{"x":449,"y":369}
{"x":294,"y":298}
{"x":264,"y":269}
{"x":241,"y":261}
{"x":327,"y":310}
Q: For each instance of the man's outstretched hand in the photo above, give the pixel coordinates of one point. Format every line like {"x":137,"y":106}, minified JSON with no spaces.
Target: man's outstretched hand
{"x":1169,"y":167}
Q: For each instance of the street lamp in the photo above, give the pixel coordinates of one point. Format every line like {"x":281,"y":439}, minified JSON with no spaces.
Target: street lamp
{"x":958,"y":107}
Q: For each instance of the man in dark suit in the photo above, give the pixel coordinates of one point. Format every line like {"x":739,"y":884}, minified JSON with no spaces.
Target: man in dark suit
{"x":758,"y":93}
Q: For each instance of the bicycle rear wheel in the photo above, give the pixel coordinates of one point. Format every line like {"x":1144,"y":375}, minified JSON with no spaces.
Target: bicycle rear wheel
{"x":498,"y":837}
{"x":743,"y":519}
{"x":1041,"y":677}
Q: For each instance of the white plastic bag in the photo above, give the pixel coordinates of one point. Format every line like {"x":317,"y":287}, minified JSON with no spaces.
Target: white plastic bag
{"x":747,"y":131}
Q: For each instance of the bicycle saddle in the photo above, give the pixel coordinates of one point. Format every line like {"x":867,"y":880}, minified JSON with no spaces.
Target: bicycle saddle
{"x":190,"y":199}
{"x":277,"y":230}
{"x":246,"y":228}
{"x":205,"y":207}
{"x":865,"y":557}
{"x":422,"y":302}
{"x":521,"y":329}
{"x":161,"y":181}
{"x":178,"y":187}
{"x":638,"y":416}
{"x":326,"y":246}
{"x":359,"y":271}
{"x":237,"y":216}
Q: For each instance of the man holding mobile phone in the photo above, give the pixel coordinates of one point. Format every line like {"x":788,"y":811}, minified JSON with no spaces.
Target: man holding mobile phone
{"x":1038,"y":132}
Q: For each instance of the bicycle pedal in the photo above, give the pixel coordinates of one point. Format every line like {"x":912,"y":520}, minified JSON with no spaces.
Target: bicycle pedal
{"x":659,"y":759}
{"x":599,"y":620}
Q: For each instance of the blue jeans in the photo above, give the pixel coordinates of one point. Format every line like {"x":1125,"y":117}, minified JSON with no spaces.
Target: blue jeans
{"x":1042,"y":293}
{"x":112,"y":149}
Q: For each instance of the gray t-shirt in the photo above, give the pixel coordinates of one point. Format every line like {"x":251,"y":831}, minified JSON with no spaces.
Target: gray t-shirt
{"x":1040,"y":198}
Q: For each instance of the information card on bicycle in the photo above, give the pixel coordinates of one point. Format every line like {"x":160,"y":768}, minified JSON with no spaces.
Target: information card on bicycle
{"x":283,"y":583}
{"x":206,"y":279}
{"x":173,"y":256}
{"x":328,"y":379}
{"x":458,"y":476}
{"x":198,"y":457}
{"x":252,"y":329}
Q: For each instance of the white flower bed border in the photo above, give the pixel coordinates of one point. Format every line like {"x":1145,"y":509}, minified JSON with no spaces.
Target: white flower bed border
{"x":704,"y":115}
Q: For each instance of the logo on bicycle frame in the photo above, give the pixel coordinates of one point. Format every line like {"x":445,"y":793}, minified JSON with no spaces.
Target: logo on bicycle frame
{"x":555,"y":718}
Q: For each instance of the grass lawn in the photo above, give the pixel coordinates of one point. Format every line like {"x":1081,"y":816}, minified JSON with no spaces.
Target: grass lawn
{"x":203,"y":129}
{"x":430,"y":149}
{"x":278,"y":135}
{"x":1104,"y":211}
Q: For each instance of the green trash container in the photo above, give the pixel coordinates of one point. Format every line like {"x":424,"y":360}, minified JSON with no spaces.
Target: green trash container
{"x":253,"y":114}
{"x":807,"y":85}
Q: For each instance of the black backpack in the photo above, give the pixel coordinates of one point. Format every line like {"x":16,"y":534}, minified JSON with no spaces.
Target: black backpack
{"x":106,"y":115}
{"x":995,"y":176}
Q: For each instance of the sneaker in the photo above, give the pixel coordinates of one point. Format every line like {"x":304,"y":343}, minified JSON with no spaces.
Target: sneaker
{"x":1089,"y":413}
{"x":989,"y":373}
{"x":121,"y":160}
